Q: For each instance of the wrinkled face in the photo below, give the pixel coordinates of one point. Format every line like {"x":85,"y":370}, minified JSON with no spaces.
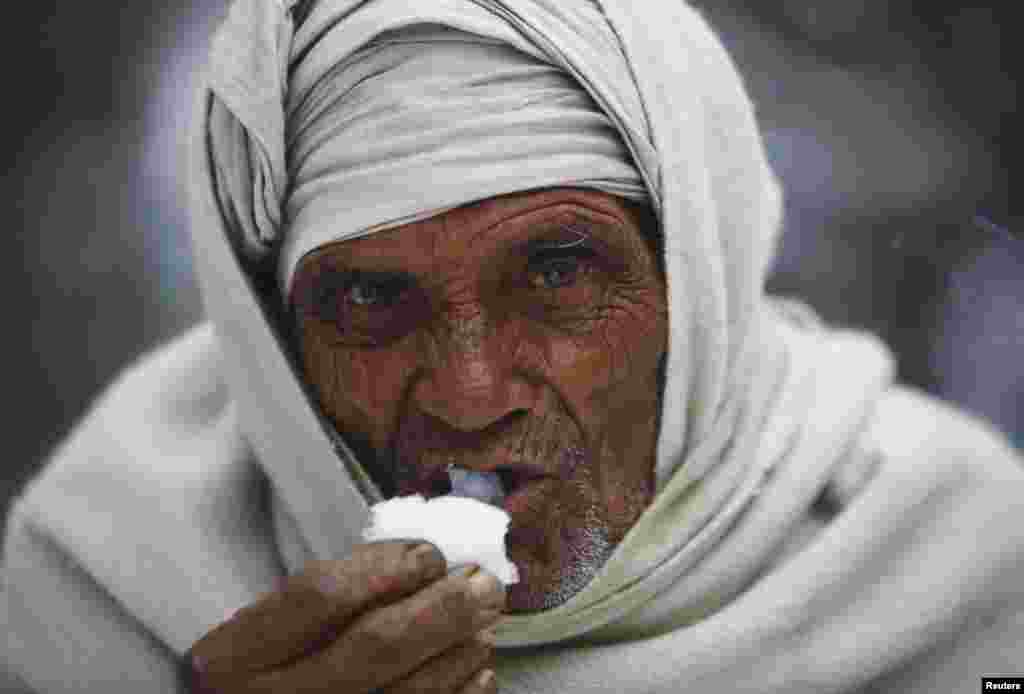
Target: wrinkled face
{"x":523,"y":335}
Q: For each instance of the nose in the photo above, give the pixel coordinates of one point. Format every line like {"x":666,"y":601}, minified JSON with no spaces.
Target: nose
{"x":470,"y":381}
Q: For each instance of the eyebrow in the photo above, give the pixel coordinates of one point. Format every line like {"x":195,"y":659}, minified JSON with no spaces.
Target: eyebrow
{"x":583,"y":238}
{"x":581,"y":234}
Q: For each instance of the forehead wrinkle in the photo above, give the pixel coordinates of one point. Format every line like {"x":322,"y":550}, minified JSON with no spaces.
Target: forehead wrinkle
{"x":447,"y":269}
{"x":496,"y":227}
{"x":615,"y":226}
{"x":568,"y":200}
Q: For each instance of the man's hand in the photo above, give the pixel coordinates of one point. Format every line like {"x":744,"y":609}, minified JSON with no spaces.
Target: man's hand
{"x":386,"y":619}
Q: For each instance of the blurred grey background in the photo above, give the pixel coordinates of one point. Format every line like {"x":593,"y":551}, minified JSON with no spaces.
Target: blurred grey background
{"x":889,"y":124}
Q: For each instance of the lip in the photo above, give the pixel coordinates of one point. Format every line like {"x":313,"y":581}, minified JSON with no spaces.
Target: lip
{"x":433,"y":481}
{"x":430,"y":482}
{"x":514,"y":476}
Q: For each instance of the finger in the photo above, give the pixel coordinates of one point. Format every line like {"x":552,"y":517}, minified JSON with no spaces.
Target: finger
{"x":310,"y":607}
{"x":484,"y":682}
{"x":388,"y":643}
{"x":447,"y":672}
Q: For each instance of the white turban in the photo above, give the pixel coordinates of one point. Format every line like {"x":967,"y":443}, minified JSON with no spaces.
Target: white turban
{"x":427,"y":118}
{"x":382,"y":129}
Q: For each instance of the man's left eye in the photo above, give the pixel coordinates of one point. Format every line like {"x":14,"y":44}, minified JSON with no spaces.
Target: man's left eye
{"x":558,"y":269}
{"x":554,"y":274}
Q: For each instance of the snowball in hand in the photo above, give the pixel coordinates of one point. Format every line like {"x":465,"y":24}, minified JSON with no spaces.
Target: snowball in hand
{"x":466,"y":531}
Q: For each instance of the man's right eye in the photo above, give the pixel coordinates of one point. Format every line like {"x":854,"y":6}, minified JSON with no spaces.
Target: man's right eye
{"x":369,"y":292}
{"x":368,"y":308}
{"x":341,"y":291}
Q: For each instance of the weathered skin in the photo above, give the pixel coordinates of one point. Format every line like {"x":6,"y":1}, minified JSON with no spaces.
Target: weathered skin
{"x":477,"y":349}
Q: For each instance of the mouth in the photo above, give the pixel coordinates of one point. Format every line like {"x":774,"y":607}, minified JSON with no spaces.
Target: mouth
{"x":498,"y":485}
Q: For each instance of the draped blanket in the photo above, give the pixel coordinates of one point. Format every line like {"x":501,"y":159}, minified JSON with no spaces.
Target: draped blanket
{"x":814,"y":528}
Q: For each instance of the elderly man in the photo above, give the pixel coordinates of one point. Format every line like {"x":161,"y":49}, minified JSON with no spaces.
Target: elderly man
{"x":528,"y":239}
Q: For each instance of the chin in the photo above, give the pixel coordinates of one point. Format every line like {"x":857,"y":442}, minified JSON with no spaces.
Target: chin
{"x":549,"y":580}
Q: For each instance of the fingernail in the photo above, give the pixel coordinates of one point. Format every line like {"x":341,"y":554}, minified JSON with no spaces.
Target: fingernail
{"x":490,"y":634}
{"x":487,"y":590}
{"x":428,"y":559}
{"x":232,"y":613}
{"x":489,"y":617}
{"x":485,"y":677}
{"x":464,"y":571}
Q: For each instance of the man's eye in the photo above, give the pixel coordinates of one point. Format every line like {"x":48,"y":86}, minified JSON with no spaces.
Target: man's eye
{"x":559,"y":268}
{"x":351,"y":298}
{"x":554,"y":273}
{"x":372,"y":292}
{"x":365,"y":293}
{"x":369,"y":309}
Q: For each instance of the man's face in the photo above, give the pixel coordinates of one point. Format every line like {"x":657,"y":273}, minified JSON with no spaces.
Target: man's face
{"x":523,"y":335}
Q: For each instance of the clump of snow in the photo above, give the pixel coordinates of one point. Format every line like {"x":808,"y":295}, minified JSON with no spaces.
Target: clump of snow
{"x":466,"y":531}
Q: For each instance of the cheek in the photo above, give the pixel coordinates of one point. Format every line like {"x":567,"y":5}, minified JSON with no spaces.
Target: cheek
{"x":628,"y":451}
{"x":367,"y":381}
{"x":617,"y":359}
{"x":359,"y":390}
{"x":630,"y":425}
{"x":610,"y":378}
{"x":579,"y":365}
